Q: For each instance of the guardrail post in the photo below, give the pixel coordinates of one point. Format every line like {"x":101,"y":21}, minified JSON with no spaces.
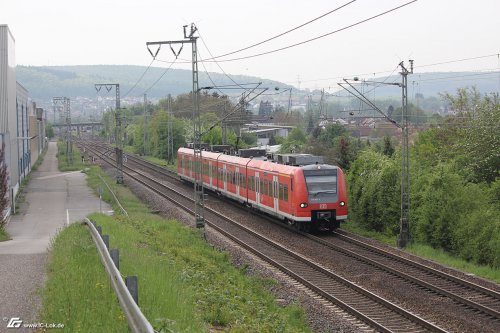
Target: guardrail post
{"x":131,"y":283}
{"x":99,"y":230}
{"x":105,"y":239}
{"x":115,"y":256}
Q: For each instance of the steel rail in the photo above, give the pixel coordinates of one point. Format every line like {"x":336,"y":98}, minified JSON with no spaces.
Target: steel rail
{"x":372,"y":322}
{"x":461,"y":283}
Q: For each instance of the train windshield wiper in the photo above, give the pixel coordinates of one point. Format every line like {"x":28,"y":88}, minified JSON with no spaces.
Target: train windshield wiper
{"x":315,"y":193}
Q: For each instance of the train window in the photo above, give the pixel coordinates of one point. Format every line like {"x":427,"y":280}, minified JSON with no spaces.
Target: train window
{"x":265,"y":190}
{"x":321,"y":182}
{"x":234,"y":178}
{"x":285,"y":193}
{"x":281,"y":192}
{"x":275,"y":189}
{"x":270,"y":188}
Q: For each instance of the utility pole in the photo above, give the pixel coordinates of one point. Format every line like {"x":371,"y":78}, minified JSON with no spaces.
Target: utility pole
{"x":118,"y":129}
{"x":404,"y":233}
{"x":190,"y":38}
{"x":66,"y":109}
{"x":170,"y":131}
{"x":322,"y":111}
{"x":224,"y":124}
{"x":145,"y":144}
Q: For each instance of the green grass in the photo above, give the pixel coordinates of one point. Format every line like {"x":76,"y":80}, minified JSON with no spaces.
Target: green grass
{"x":152,"y":159}
{"x":65,"y":164}
{"x":184,"y":284}
{"x":3,"y":234}
{"x":359,"y":230}
{"x":39,"y":160}
{"x":430,"y":253}
{"x":445,"y":258}
{"x":78,"y":293}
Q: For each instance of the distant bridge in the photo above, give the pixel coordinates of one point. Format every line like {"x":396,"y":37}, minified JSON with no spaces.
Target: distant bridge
{"x":80,"y":127}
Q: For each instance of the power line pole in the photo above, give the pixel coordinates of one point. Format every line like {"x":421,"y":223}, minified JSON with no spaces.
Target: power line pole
{"x":322,"y":111}
{"x":224,"y":124}
{"x":144,"y":146}
{"x":64,"y":113}
{"x":189,"y":37}
{"x":170,"y":131}
{"x":404,"y":233}
{"x":118,"y":129}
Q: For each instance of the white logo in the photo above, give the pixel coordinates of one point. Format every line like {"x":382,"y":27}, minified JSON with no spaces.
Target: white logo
{"x":14,"y":322}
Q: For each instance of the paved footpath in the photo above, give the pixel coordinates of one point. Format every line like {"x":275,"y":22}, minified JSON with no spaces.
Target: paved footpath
{"x":53,"y":200}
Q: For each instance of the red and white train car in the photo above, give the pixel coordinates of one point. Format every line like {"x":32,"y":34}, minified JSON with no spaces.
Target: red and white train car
{"x":312,"y":197}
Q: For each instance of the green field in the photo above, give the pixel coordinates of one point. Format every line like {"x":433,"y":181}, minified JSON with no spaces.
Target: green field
{"x":184,"y":284}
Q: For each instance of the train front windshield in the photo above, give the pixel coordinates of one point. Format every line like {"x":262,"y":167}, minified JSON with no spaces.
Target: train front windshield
{"x":321,"y":184}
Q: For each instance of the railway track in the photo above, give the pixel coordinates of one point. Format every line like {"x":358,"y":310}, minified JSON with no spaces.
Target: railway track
{"x":375,"y":311}
{"x":474,"y":296}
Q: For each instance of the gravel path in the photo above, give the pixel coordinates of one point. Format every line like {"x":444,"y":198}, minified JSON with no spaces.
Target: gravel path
{"x":52,"y":200}
{"x":20,"y":277}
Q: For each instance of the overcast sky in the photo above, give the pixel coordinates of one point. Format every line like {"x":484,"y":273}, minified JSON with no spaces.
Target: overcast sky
{"x":63,"y":32}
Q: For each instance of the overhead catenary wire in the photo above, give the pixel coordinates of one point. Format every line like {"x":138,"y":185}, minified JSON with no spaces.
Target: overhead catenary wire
{"x":283,"y":33}
{"x":308,"y":40}
{"x":161,"y":76}
{"x":389,"y":71}
{"x":140,"y":78}
{"x":318,"y":37}
{"x":217,"y":63}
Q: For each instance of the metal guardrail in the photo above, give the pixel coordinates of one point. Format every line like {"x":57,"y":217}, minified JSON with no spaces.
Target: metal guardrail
{"x":124,"y":212}
{"x":136,"y":320}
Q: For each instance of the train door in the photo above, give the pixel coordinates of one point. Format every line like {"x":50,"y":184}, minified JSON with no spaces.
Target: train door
{"x":257,"y":188}
{"x":237,"y":180}
{"x":210,"y":174}
{"x":275,"y":193}
{"x":224,"y":178}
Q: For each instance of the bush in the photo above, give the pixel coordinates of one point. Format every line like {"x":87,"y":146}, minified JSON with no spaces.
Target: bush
{"x":374,"y":192}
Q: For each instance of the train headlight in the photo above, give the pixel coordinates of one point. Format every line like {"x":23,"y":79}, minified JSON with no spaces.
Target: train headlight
{"x":303,"y":205}
{"x":342,"y":204}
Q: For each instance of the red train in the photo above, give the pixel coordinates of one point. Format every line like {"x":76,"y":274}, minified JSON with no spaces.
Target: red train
{"x":311,"y":197}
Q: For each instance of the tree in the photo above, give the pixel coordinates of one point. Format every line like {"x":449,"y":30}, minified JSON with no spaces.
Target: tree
{"x":49,"y":131}
{"x":330,"y":133}
{"x":388,"y":147}
{"x":480,"y":145}
{"x":294,"y":142}
{"x":4,"y":187}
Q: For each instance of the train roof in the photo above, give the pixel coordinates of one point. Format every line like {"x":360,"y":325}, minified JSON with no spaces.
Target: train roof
{"x":263,"y":163}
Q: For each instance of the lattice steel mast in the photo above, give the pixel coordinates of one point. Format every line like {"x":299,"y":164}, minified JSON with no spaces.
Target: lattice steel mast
{"x":189,"y":37}
{"x":118,"y":129}
{"x":404,"y":233}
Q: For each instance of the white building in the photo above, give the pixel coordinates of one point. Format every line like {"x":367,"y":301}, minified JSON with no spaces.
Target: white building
{"x":8,"y":112}
{"x":23,"y":104}
{"x":22,"y":128}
